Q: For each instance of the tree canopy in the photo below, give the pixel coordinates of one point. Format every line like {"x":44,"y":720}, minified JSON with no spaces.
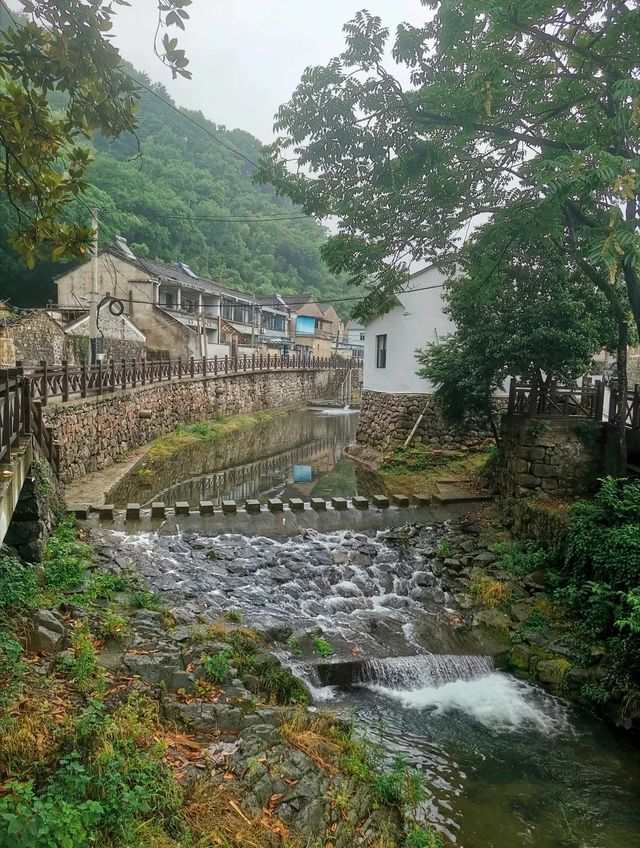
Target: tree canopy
{"x":165,"y":184}
{"x":520,"y":310}
{"x":524,"y":106}
{"x":63,"y":47}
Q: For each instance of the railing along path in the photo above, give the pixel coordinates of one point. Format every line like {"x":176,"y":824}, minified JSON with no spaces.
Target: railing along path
{"x":65,"y":381}
{"x":591,"y":400}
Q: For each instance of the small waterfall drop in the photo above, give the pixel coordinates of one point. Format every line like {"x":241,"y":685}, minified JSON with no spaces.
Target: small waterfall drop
{"x":422,"y":670}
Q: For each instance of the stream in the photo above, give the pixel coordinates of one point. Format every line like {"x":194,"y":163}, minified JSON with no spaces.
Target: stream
{"x":505,"y":764}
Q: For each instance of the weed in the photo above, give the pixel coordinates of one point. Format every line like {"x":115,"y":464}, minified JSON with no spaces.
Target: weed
{"x":538,"y":428}
{"x":66,"y":559}
{"x":419,"y":837}
{"x":294,"y":646}
{"x":490,"y":592}
{"x":144,"y":475}
{"x":233,"y":616}
{"x":445,"y":548}
{"x":398,"y":785}
{"x":323,"y":647}
{"x":11,"y":667}
{"x":521,"y":558}
{"x":18,"y":584}
{"x":83,"y":668}
{"x":113,"y":626}
{"x":216,"y":667}
{"x":142,"y":599}
{"x":107,"y":586}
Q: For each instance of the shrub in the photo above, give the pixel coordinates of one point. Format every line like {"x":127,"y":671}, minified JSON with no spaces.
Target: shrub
{"x":323,"y":647}
{"x":28,"y":820}
{"x":216,"y":668}
{"x":522,"y":558}
{"x":597,"y":578}
{"x":66,"y":559}
{"x":18,"y":584}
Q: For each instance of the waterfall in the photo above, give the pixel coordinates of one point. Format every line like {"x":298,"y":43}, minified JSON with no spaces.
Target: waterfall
{"x":422,"y":670}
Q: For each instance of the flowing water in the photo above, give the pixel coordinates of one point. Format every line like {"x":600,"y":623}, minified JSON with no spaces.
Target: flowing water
{"x":505,"y":763}
{"x":299,"y":455}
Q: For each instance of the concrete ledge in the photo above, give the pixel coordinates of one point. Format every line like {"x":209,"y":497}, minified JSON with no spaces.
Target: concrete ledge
{"x":421,"y":500}
{"x":206,"y":508}
{"x":318,"y":504}
{"x":80,"y":511}
{"x":158,"y":509}
{"x":182,"y":508}
{"x":133,"y":512}
{"x":380,"y":501}
{"x":106,"y":512}
{"x":229,"y":507}
{"x":401,"y":500}
{"x":252,"y":506}
{"x":275,"y":505}
{"x":359,"y":502}
{"x":296,"y":504}
{"x":340,"y":503}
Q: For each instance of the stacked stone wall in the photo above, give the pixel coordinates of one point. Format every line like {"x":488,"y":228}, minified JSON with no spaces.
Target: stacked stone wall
{"x":561,"y":457}
{"x":92,"y":432}
{"x":387,"y":419}
{"x":34,"y":337}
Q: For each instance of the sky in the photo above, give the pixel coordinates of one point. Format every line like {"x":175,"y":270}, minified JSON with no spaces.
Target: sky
{"x":247,"y":56}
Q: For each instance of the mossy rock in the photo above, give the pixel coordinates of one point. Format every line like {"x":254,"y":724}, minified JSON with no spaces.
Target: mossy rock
{"x":552,"y":672}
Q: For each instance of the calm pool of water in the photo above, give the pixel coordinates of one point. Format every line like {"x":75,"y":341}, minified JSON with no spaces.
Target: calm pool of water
{"x":299,"y":455}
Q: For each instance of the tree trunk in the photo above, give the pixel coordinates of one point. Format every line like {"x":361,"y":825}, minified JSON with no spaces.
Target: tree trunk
{"x":621,"y":434}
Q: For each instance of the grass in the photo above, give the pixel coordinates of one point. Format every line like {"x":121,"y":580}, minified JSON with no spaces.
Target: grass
{"x":185,"y":436}
{"x":489,"y":592}
{"x":418,"y":469}
{"x":323,"y":647}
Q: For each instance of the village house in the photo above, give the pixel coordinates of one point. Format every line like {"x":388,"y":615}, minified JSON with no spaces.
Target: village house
{"x":30,"y":336}
{"x":179,"y":312}
{"x":393,"y":395}
{"x":316,"y":326}
{"x":352,"y":338}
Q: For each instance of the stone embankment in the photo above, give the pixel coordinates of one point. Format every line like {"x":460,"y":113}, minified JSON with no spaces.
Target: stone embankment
{"x":387,"y":419}
{"x":516,"y":611}
{"x":93,"y":432}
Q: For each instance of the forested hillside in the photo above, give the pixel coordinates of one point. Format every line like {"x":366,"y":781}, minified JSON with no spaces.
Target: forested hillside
{"x":151,"y":188}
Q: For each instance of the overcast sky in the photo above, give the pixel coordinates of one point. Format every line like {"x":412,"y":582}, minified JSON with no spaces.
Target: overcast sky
{"x":247,"y":56}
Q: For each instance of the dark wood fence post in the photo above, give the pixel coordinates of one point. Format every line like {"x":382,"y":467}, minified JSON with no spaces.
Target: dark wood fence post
{"x":134,"y":376}
{"x":192,"y":367}
{"x":112,"y":375}
{"x":143,"y":370}
{"x":635,"y":408}
{"x":65,"y":380}
{"x":6,"y":418}
{"x":44,"y":383}
{"x":83,"y":379}
{"x":26,"y":405}
{"x":205,"y":366}
{"x":215,"y":365}
{"x":123,"y":376}
{"x":179,"y":368}
{"x":613,"y":405}
{"x":99,"y":376}
{"x":169,"y":372}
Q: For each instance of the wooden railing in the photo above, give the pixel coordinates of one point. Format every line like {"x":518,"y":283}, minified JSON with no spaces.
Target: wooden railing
{"x":591,"y":400}
{"x":21,"y":416}
{"x":65,"y":381}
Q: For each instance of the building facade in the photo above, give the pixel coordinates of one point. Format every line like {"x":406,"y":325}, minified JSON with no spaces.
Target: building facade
{"x":179,"y":312}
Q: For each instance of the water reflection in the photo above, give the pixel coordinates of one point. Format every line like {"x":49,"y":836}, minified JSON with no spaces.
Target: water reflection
{"x":299,"y":455}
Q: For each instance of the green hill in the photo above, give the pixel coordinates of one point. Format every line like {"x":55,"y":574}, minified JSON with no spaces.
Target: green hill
{"x":175,"y":169}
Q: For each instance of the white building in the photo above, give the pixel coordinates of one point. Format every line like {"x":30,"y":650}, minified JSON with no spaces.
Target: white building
{"x":392,"y":339}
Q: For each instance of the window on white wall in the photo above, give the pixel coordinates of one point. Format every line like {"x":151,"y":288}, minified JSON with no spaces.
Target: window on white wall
{"x":381,"y":351}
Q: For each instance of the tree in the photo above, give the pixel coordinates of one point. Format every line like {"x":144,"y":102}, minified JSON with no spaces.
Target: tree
{"x":533,"y":107}
{"x":61,"y":80}
{"x":519,"y":311}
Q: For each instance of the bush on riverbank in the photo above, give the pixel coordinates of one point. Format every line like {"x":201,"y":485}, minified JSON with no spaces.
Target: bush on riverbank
{"x":598,"y":578}
{"x":593,"y":571}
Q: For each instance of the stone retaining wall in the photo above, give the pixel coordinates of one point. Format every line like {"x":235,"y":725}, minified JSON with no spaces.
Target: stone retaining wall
{"x":387,"y":419}
{"x":94,"y":431}
{"x":558,"y":456}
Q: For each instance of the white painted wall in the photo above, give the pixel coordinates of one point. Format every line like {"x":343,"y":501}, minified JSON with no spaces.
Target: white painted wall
{"x":417,"y":320}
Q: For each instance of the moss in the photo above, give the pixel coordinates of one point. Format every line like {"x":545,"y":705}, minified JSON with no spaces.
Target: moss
{"x":186,"y":436}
